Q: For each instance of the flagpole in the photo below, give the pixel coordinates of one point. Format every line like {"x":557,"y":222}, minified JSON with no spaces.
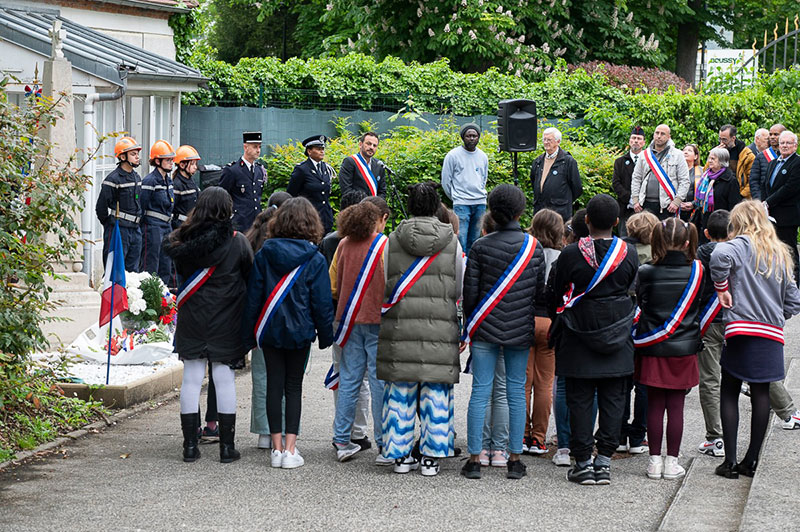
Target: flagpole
{"x":110,"y":332}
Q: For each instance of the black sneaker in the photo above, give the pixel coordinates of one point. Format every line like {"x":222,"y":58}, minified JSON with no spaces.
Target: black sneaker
{"x":364,"y":443}
{"x":727,"y":470}
{"x":582,"y":475}
{"x":471,"y":470}
{"x":602,"y":475}
{"x":516,"y":469}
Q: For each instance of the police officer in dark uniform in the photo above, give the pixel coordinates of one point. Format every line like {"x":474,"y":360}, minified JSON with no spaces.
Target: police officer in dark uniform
{"x":312,"y":179}
{"x":157,"y":201}
{"x":186,"y":159}
{"x":244,"y":180}
{"x":120,"y":190}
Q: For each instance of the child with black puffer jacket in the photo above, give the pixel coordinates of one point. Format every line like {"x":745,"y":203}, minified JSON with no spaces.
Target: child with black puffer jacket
{"x":667,"y":337}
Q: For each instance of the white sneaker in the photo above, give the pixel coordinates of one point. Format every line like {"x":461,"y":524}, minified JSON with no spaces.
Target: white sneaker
{"x":793,"y":422}
{"x":638,"y":449}
{"x":655,"y":468}
{"x":292,"y":460}
{"x":622,"y":448}
{"x":561,"y":458}
{"x":404,"y":465}
{"x":277,"y":458}
{"x":672,"y":469}
{"x":264,"y":441}
{"x":429,"y":467}
{"x":383,"y":461}
{"x":712,"y":447}
{"x":345,"y":451}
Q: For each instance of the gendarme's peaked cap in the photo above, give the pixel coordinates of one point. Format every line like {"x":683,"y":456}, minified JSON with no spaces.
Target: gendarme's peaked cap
{"x":251,"y":136}
{"x":315,"y":140}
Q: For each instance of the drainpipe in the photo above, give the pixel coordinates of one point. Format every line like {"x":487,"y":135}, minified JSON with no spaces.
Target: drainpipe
{"x":87,"y":215}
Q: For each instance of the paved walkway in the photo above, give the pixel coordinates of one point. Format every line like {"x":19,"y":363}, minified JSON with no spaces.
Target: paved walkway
{"x":90,"y":486}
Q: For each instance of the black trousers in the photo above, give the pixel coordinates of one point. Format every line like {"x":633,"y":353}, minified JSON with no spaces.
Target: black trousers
{"x":285,"y":372}
{"x":636,"y":430}
{"x":610,"y":406}
{"x":788,"y":235}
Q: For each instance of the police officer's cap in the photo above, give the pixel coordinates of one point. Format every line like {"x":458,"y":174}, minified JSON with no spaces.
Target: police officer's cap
{"x":315,"y":140}
{"x":251,"y":136}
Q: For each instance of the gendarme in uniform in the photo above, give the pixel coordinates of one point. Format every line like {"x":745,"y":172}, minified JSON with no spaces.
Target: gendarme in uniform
{"x":312,"y":180}
{"x":245,"y":181}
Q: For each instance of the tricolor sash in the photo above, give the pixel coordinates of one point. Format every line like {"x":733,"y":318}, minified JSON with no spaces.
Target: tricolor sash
{"x":708,"y":314}
{"x":613,"y":258}
{"x":275,"y":299}
{"x":666,"y":329}
{"x":660,"y":173}
{"x":769,"y":154}
{"x":407,"y":280}
{"x":368,"y":268}
{"x":332,"y":379}
{"x":501,"y":287}
{"x":366,"y":173}
{"x":193,"y":284}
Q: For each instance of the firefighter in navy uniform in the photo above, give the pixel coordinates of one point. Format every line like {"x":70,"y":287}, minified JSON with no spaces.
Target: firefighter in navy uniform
{"x":121,"y":189}
{"x":312,"y":179}
{"x":244,"y":180}
{"x":157,"y":202}
{"x":186,"y":160}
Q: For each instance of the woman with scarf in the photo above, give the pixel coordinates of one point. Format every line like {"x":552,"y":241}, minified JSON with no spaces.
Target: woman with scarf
{"x":718,"y":189}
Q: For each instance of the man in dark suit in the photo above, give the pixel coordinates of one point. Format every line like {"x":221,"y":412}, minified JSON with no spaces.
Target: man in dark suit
{"x":244,"y":179}
{"x":554,"y":177}
{"x":312,"y":179}
{"x":362,"y":171}
{"x":623,"y":171}
{"x":781,"y":192}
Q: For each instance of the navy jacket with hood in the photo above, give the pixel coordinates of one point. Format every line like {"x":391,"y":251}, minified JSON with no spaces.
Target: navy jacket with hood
{"x":307,"y":309}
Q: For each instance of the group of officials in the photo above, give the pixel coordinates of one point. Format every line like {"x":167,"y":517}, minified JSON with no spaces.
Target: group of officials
{"x":148,"y":209}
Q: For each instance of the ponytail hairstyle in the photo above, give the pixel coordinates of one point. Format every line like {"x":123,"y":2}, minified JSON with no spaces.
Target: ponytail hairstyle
{"x":772,"y":256}
{"x":423,"y":200}
{"x":673,"y":234}
{"x":357,"y":222}
{"x":506,"y":203}
{"x":258,"y":231}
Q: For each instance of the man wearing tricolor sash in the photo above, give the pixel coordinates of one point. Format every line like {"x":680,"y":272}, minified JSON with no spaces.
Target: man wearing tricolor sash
{"x":660,"y":180}
{"x":758,"y":172}
{"x":362,"y":171}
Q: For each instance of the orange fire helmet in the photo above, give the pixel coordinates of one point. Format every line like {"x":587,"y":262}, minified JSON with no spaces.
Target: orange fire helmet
{"x":186,"y":153}
{"x":161,"y":150}
{"x":125,"y":144}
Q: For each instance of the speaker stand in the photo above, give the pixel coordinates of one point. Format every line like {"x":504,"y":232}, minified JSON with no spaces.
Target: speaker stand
{"x":394,"y":197}
{"x":516,"y":173}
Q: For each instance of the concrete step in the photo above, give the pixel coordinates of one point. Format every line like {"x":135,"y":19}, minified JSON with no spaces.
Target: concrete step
{"x":773,"y":500}
{"x":72,"y":322}
{"x":74,"y":291}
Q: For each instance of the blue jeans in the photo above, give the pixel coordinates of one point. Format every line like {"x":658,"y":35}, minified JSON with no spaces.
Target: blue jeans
{"x":563,"y":431}
{"x":359,"y":355}
{"x":484,"y":361}
{"x":495,"y":424}
{"x":469,"y":224}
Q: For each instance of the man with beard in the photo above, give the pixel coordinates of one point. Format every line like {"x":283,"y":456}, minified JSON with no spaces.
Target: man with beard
{"x":741,"y":157}
{"x":362,"y":171}
{"x":660,"y":180}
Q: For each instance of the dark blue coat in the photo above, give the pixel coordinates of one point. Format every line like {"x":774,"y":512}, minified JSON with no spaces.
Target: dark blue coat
{"x":307,"y":309}
{"x":186,"y":192}
{"x":245,"y":190}
{"x":157,"y":198}
{"x":124,"y":188}
{"x":306,"y":181}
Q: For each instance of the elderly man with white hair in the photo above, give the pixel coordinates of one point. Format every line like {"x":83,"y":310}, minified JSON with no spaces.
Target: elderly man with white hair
{"x":555,"y":178}
{"x":781,"y":192}
{"x":660,"y":180}
{"x":758,"y":172}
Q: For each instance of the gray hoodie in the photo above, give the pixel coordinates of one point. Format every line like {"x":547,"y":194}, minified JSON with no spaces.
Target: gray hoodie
{"x":761,"y":305}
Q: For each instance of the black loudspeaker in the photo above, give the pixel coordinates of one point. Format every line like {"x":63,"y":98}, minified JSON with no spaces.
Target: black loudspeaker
{"x":210,"y":175}
{"x":516,"y":125}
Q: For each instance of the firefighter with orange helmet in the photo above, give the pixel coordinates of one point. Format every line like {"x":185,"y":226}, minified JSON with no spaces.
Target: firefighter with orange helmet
{"x":119,"y":199}
{"x":158,"y":199}
{"x":186,"y":160}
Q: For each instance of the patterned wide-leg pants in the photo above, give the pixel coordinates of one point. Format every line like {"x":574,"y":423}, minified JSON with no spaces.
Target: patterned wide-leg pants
{"x":402,"y":401}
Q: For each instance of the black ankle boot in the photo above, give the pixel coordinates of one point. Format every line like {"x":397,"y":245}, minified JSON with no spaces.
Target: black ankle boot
{"x":227,"y":452}
{"x":727,"y":470}
{"x":748,"y":470}
{"x":189,"y":424}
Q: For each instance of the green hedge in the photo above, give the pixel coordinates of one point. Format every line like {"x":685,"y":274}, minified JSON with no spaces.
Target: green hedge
{"x":417,"y":156}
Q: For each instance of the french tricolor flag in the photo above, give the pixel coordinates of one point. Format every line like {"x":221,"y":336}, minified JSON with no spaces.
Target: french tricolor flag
{"x":115,"y":295}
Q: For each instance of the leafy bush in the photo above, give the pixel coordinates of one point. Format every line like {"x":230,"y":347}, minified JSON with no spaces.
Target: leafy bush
{"x":417,"y":156}
{"x":634,"y":78}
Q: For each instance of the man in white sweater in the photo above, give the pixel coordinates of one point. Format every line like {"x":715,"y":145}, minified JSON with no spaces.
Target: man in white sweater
{"x":464,"y":175}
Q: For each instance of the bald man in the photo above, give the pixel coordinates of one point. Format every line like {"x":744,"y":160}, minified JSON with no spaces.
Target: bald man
{"x":660,"y":180}
{"x":758,"y":172}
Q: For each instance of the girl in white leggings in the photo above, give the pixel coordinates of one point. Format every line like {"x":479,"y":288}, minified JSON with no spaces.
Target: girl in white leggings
{"x":215,"y":261}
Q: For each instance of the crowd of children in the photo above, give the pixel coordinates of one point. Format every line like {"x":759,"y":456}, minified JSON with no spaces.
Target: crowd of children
{"x":565,"y":316}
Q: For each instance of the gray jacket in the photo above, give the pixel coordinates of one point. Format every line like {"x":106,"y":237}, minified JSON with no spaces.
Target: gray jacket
{"x":677,"y":171}
{"x":761,"y":305}
{"x":419,"y":336}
